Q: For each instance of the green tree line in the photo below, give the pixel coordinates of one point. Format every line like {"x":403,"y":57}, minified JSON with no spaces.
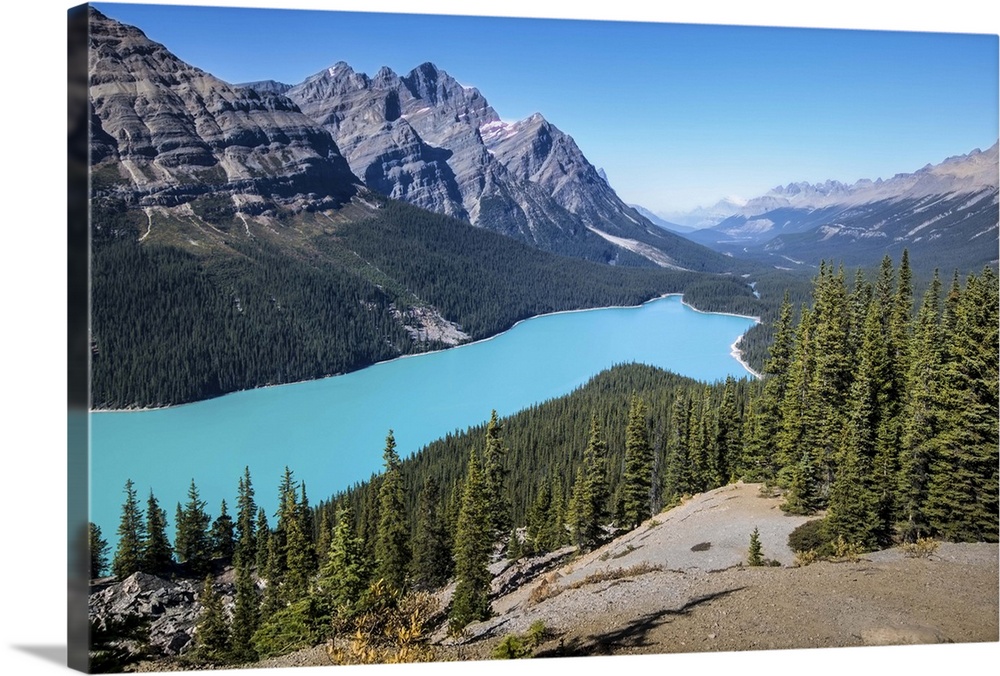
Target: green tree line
{"x":875,"y":407}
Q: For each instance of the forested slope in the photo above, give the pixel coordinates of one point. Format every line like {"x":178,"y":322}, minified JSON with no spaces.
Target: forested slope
{"x":190,"y":306}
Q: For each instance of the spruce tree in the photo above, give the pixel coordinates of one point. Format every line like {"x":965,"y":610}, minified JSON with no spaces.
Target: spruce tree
{"x":211,"y":636}
{"x":98,"y":548}
{"x":262,"y":534}
{"x":131,"y":534}
{"x":637,"y":475}
{"x":556,"y":534}
{"x":803,"y":490}
{"x":298,"y":564}
{"x":963,"y":483}
{"x":473,"y":548}
{"x":679,"y":471}
{"x":391,"y":553}
{"x":431,"y":564}
{"x":790,"y":439}
{"x":538,"y":520}
{"x":191,"y":538}
{"x":590,"y":495}
{"x":246,"y":611}
{"x":222,"y":537}
{"x":824,"y":409}
{"x":754,"y":555}
{"x":922,"y":415}
{"x":246,"y":512}
{"x":728,"y":434}
{"x":345,"y":574}
{"x":157,"y":557}
{"x":325,"y":536}
{"x":495,"y":476}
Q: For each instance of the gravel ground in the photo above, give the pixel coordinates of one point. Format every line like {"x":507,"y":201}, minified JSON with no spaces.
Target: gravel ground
{"x":698,"y":594}
{"x":679,"y":583}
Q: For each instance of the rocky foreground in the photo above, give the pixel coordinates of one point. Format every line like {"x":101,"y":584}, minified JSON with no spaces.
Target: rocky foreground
{"x":680,"y":583}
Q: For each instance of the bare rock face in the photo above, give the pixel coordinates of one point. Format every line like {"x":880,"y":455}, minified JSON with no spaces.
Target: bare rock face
{"x":431,"y":141}
{"x":171,"y":609}
{"x":163,"y":131}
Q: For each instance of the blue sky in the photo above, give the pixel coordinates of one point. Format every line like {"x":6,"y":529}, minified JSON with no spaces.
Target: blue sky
{"x":679,"y":115}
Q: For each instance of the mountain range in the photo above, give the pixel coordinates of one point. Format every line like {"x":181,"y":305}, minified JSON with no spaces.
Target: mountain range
{"x":945,"y":214}
{"x":251,"y":235}
{"x":428,"y":140}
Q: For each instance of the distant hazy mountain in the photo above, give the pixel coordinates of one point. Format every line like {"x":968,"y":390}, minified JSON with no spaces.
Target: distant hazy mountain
{"x":946,"y":214}
{"x":706,"y":217}
{"x":661,"y":222}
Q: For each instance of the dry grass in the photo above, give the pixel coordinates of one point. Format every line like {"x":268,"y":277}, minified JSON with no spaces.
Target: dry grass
{"x":547,"y":588}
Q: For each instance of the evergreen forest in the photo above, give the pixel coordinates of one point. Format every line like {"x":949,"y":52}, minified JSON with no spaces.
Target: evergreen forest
{"x":173,"y":322}
{"x":878,"y":408}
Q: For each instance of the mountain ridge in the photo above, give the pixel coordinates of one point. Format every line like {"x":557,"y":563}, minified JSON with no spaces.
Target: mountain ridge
{"x":941,"y":212}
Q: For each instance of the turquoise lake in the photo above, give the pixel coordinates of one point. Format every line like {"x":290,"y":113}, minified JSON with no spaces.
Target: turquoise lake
{"x":331,"y":432}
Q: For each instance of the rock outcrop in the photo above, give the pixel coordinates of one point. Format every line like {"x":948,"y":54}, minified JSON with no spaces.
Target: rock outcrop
{"x":169,"y":607}
{"x":164,"y":132}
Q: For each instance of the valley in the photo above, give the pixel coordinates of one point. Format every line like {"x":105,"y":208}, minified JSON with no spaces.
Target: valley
{"x":422,"y":385}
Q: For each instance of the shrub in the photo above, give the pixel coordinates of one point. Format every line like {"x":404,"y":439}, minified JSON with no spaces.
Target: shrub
{"x":388,"y":628}
{"x":923,"y":548}
{"x":810,"y":536}
{"x":805,"y":558}
{"x":510,"y":648}
{"x":514,"y":647}
{"x":851,"y":551}
{"x":299,"y":625}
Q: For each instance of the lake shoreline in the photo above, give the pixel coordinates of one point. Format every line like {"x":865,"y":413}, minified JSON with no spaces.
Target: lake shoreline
{"x":735,"y":352}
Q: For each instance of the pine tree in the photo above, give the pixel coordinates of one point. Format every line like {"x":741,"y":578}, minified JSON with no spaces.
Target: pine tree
{"x":679,"y":480}
{"x":98,"y":548}
{"x":191,"y":539}
{"x":344,"y":576}
{"x":728,"y":434}
{"x":861,"y":496}
{"x":246,"y":508}
{"x":157,"y":557}
{"x":638,"y":466}
{"x":431,"y":564}
{"x":590,"y":495}
{"x":538,"y":520}
{"x":922,"y":416}
{"x":963,"y":483}
{"x":824,"y":410}
{"x":131,"y":534}
{"x":211,"y":637}
{"x":495,"y":476}
{"x":246,"y":611}
{"x":392,"y":557}
{"x":298,"y":564}
{"x":754,"y":555}
{"x":222,"y":538}
{"x":803,"y":493}
{"x":325,"y":536}
{"x":262,"y":534}
{"x":473,"y":548}
{"x":791,"y":438}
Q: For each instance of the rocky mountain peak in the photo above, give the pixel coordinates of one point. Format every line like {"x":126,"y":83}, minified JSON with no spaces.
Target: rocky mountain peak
{"x":173,"y":131}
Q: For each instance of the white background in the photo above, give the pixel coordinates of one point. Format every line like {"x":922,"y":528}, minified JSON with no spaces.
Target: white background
{"x":33,"y":309}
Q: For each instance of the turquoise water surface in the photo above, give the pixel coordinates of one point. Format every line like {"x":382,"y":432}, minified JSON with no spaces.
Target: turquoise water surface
{"x":331,"y":432}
